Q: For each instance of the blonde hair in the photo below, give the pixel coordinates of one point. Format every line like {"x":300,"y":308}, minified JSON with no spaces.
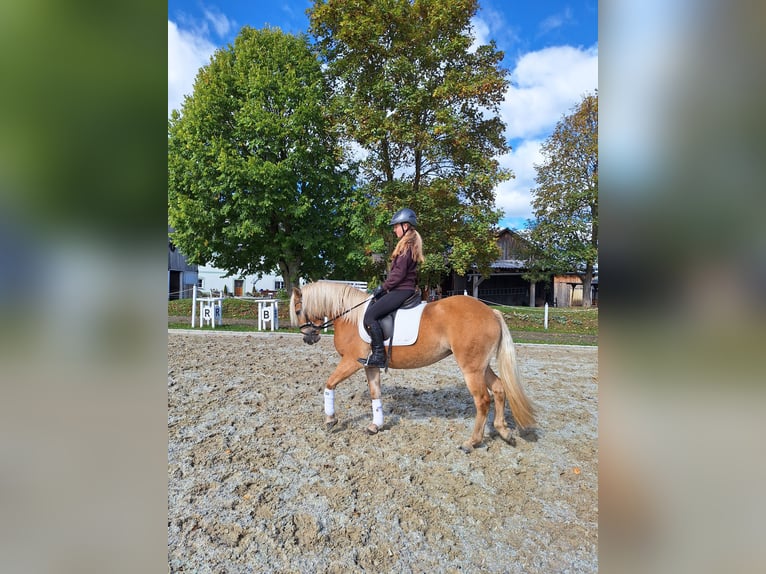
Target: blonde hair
{"x":410,"y":240}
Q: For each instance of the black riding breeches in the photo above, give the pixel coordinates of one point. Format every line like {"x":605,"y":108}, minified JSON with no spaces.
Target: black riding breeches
{"x":387,"y":303}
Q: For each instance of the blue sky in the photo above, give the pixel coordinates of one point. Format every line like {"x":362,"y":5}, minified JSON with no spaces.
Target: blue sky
{"x":551,"y":50}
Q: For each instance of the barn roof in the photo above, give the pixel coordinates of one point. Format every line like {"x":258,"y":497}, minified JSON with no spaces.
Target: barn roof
{"x":509,"y":265}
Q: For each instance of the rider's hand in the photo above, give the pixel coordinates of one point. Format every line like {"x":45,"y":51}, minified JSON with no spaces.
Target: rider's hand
{"x":378,"y":292}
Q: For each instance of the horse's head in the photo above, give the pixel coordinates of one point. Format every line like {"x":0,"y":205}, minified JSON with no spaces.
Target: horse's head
{"x":299,"y":319}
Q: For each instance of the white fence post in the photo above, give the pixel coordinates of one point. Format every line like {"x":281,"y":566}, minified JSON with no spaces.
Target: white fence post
{"x":217,"y":306}
{"x":275,"y":319}
{"x":267,"y":313}
{"x":546,"y":316}
{"x":194,"y":304}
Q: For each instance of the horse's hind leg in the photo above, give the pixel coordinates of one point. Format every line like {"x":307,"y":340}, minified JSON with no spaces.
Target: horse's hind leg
{"x":478,"y":389}
{"x":496,"y":386}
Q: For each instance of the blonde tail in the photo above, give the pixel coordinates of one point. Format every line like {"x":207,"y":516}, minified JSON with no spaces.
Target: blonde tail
{"x":520,"y":405}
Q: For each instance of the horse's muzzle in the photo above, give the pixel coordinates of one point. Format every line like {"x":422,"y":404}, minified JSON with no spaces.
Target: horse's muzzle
{"x":311,"y":338}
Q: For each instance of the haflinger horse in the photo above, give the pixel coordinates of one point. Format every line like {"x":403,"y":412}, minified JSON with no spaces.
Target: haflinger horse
{"x":458,"y":325}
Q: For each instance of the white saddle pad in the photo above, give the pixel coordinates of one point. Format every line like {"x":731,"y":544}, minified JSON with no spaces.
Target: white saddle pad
{"x":406,"y":326}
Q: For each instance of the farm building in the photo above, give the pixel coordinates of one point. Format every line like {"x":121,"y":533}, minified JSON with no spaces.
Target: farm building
{"x":507,"y":286}
{"x":181,"y":275}
{"x":212,"y":278}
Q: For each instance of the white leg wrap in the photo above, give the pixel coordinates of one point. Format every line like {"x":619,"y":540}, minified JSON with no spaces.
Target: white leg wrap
{"x":377,"y":412}
{"x":329,"y":402}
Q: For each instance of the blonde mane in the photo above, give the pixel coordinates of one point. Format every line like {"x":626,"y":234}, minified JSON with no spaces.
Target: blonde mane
{"x":328,"y":299}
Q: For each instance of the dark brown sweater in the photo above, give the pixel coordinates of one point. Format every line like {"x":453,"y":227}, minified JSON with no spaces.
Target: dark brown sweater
{"x":403,"y":273}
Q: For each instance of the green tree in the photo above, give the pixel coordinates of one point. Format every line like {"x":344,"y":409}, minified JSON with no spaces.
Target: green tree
{"x":255,"y":172}
{"x":565,"y":202}
{"x":423,"y":105}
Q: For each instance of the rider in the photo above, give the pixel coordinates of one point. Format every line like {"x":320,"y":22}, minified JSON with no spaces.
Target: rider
{"x":398,"y":286}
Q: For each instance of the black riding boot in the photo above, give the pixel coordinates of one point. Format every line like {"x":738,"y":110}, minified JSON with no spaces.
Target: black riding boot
{"x":378,"y":356}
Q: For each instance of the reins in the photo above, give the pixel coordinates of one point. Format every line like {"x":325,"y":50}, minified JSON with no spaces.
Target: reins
{"x":331,"y":321}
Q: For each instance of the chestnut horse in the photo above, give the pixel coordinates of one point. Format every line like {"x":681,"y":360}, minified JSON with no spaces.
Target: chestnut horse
{"x":458,"y":325}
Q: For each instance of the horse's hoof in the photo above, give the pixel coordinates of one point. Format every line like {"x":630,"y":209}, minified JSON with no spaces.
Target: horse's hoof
{"x":466,"y":448}
{"x":507,"y":437}
{"x":329,"y":423}
{"x":372,"y":429}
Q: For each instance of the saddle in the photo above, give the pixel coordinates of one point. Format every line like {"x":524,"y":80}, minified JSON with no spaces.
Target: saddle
{"x":407,"y":327}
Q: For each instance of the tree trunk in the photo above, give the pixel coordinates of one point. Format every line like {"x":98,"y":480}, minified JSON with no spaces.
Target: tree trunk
{"x":587,"y":278}
{"x":289,"y":271}
{"x":475,"y":282}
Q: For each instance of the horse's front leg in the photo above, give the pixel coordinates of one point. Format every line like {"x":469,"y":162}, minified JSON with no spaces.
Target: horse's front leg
{"x":344,"y":370}
{"x":373,"y":381}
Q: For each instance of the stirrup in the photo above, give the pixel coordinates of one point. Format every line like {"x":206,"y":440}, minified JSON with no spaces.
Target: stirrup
{"x":366,"y":362}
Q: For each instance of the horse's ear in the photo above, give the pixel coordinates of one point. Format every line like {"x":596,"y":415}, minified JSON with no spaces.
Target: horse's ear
{"x":296,"y":292}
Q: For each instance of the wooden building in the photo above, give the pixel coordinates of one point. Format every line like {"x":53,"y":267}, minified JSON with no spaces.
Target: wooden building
{"x":505,"y":285}
{"x":567,"y":291}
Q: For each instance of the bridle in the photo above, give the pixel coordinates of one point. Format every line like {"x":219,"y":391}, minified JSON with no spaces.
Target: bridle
{"x":316,"y":328}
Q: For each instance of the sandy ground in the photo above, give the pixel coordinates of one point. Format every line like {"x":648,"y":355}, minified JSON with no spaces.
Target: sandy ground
{"x":255,"y":483}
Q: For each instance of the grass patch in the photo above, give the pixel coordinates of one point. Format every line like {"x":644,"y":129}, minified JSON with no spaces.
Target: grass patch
{"x":571,"y":320}
{"x":232,"y":308}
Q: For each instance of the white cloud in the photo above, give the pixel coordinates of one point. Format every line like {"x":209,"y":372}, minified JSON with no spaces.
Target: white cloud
{"x":556,"y":21}
{"x":492,"y":24}
{"x":545,"y":86}
{"x":513,"y":195}
{"x":221,"y":24}
{"x":187,"y":52}
{"x":480,"y":30}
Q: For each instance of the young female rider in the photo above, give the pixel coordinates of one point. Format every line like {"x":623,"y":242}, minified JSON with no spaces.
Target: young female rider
{"x":398,"y":286}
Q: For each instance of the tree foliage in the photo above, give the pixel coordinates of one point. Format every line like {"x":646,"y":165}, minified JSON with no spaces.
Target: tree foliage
{"x":565,"y":201}
{"x":422,"y":102}
{"x":255,"y":181}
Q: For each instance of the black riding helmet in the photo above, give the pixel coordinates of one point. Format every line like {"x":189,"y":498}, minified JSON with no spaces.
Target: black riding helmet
{"x":405,"y":215}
